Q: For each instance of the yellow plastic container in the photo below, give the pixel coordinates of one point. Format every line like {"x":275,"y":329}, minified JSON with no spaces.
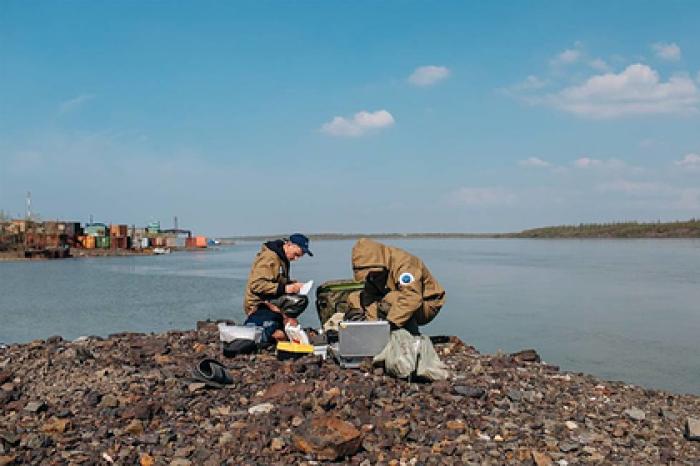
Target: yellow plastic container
{"x":288,"y":350}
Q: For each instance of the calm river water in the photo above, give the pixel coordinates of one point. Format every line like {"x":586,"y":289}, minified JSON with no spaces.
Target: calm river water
{"x":623,"y":310}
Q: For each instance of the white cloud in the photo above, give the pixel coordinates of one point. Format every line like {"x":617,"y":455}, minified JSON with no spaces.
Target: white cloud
{"x":567,"y":57}
{"x":466,"y":196}
{"x":665,"y":51}
{"x":599,"y":64}
{"x":637,"y":90}
{"x":361,"y":123}
{"x":691,"y":161}
{"x":588,"y":162}
{"x":534,"y":162}
{"x":428,"y":75}
{"x":530,"y":83}
{"x":75,"y":103}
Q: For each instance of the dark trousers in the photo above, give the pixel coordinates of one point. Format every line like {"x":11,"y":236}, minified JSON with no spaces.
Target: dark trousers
{"x":268,"y":320}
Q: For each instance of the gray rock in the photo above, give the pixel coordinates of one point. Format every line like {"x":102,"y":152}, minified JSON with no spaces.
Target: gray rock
{"x":262,"y":408}
{"x":35,"y":407}
{"x":468,"y":391}
{"x":636,"y":414}
{"x":514,"y":395}
{"x":566,"y":447}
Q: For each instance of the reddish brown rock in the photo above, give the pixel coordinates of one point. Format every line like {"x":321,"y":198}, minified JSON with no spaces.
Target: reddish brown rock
{"x":328,"y":438}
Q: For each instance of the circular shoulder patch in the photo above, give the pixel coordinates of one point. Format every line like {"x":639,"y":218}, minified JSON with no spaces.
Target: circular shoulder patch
{"x":406,"y":279}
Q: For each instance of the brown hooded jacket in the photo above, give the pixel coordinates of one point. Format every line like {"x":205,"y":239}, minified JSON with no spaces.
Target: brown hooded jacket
{"x":268,"y":276}
{"x":413,"y":291}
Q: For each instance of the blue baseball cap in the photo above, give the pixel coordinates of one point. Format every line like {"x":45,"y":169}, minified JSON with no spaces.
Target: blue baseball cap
{"x":301,"y":241}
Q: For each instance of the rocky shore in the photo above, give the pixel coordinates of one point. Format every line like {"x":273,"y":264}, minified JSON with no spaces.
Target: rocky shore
{"x":127,"y":400}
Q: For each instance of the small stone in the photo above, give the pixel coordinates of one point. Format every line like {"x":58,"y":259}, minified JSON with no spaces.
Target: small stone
{"x":135,"y":427}
{"x":297,"y":421}
{"x":692,"y":429}
{"x":221,"y":411}
{"x":468,"y":391}
{"x":514,"y":395}
{"x":568,"y":446}
{"x":571,"y":425}
{"x":147,"y":460}
{"x":109,"y":401}
{"x":180,"y":462}
{"x":196,"y":386}
{"x":277,"y":444}
{"x":636,"y":414}
{"x":55,"y":426}
{"x":528,"y":355}
{"x":163,"y":359}
{"x":456,"y":425}
{"x":225,"y":438}
{"x":541,"y":459}
{"x":262,"y":408}
{"x":35,"y":407}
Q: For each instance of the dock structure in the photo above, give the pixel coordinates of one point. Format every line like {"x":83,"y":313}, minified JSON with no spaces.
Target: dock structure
{"x":27,"y":238}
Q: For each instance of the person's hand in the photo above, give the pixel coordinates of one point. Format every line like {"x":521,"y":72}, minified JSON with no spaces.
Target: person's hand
{"x":279,"y":335}
{"x":273,"y":308}
{"x":292,"y":288}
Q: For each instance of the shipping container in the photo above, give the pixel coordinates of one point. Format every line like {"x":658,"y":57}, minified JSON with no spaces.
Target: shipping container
{"x":190,"y":243}
{"x":200,"y":241}
{"x":96,"y":229}
{"x":119,"y":242}
{"x":171,"y":242}
{"x":89,"y":242}
{"x":73,"y":229}
{"x":118,"y":230}
{"x":102,"y":242}
{"x":145,"y":243}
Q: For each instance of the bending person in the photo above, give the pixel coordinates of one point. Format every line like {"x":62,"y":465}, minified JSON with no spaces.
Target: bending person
{"x":271,"y":296}
{"x":398,"y":287}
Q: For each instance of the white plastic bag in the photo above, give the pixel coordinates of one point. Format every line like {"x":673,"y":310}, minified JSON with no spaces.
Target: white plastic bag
{"x":406,"y":354}
{"x":228,"y":333}
{"x":296,"y":334}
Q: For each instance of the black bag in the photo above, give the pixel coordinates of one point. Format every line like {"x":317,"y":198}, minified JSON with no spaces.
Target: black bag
{"x":239,"y":346}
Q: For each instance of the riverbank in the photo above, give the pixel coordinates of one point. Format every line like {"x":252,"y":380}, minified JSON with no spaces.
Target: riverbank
{"x":80,"y":253}
{"x":126,"y":400}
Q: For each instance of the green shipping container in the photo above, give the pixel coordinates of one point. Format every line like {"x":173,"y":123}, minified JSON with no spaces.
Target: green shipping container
{"x":102,"y":242}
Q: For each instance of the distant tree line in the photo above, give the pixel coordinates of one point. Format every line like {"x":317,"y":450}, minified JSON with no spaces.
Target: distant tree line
{"x":678,"y":229}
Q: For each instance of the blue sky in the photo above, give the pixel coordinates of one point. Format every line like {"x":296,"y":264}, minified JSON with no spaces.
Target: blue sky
{"x":265,"y":117}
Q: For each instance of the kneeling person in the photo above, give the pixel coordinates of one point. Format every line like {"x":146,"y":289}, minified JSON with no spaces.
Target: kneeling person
{"x":398,"y":286}
{"x":271,"y":300}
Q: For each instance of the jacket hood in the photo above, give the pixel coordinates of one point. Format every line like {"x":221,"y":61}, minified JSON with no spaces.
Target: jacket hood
{"x":368,"y":255}
{"x":277,"y":247}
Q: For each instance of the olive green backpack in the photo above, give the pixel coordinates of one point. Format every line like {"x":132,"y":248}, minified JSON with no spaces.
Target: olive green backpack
{"x":332,"y":297}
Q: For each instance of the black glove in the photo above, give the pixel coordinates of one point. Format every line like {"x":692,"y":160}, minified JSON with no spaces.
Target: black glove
{"x":355,"y":314}
{"x":292,"y":304}
{"x":375,"y":287}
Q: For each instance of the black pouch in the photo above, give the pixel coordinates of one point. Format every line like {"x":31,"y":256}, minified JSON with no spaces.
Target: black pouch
{"x":239,"y":346}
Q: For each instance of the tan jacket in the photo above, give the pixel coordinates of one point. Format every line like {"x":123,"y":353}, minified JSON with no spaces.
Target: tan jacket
{"x":413,"y":291}
{"x":267,"y":279}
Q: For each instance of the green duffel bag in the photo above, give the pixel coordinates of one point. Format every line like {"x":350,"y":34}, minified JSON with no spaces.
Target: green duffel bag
{"x":332,"y":297}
